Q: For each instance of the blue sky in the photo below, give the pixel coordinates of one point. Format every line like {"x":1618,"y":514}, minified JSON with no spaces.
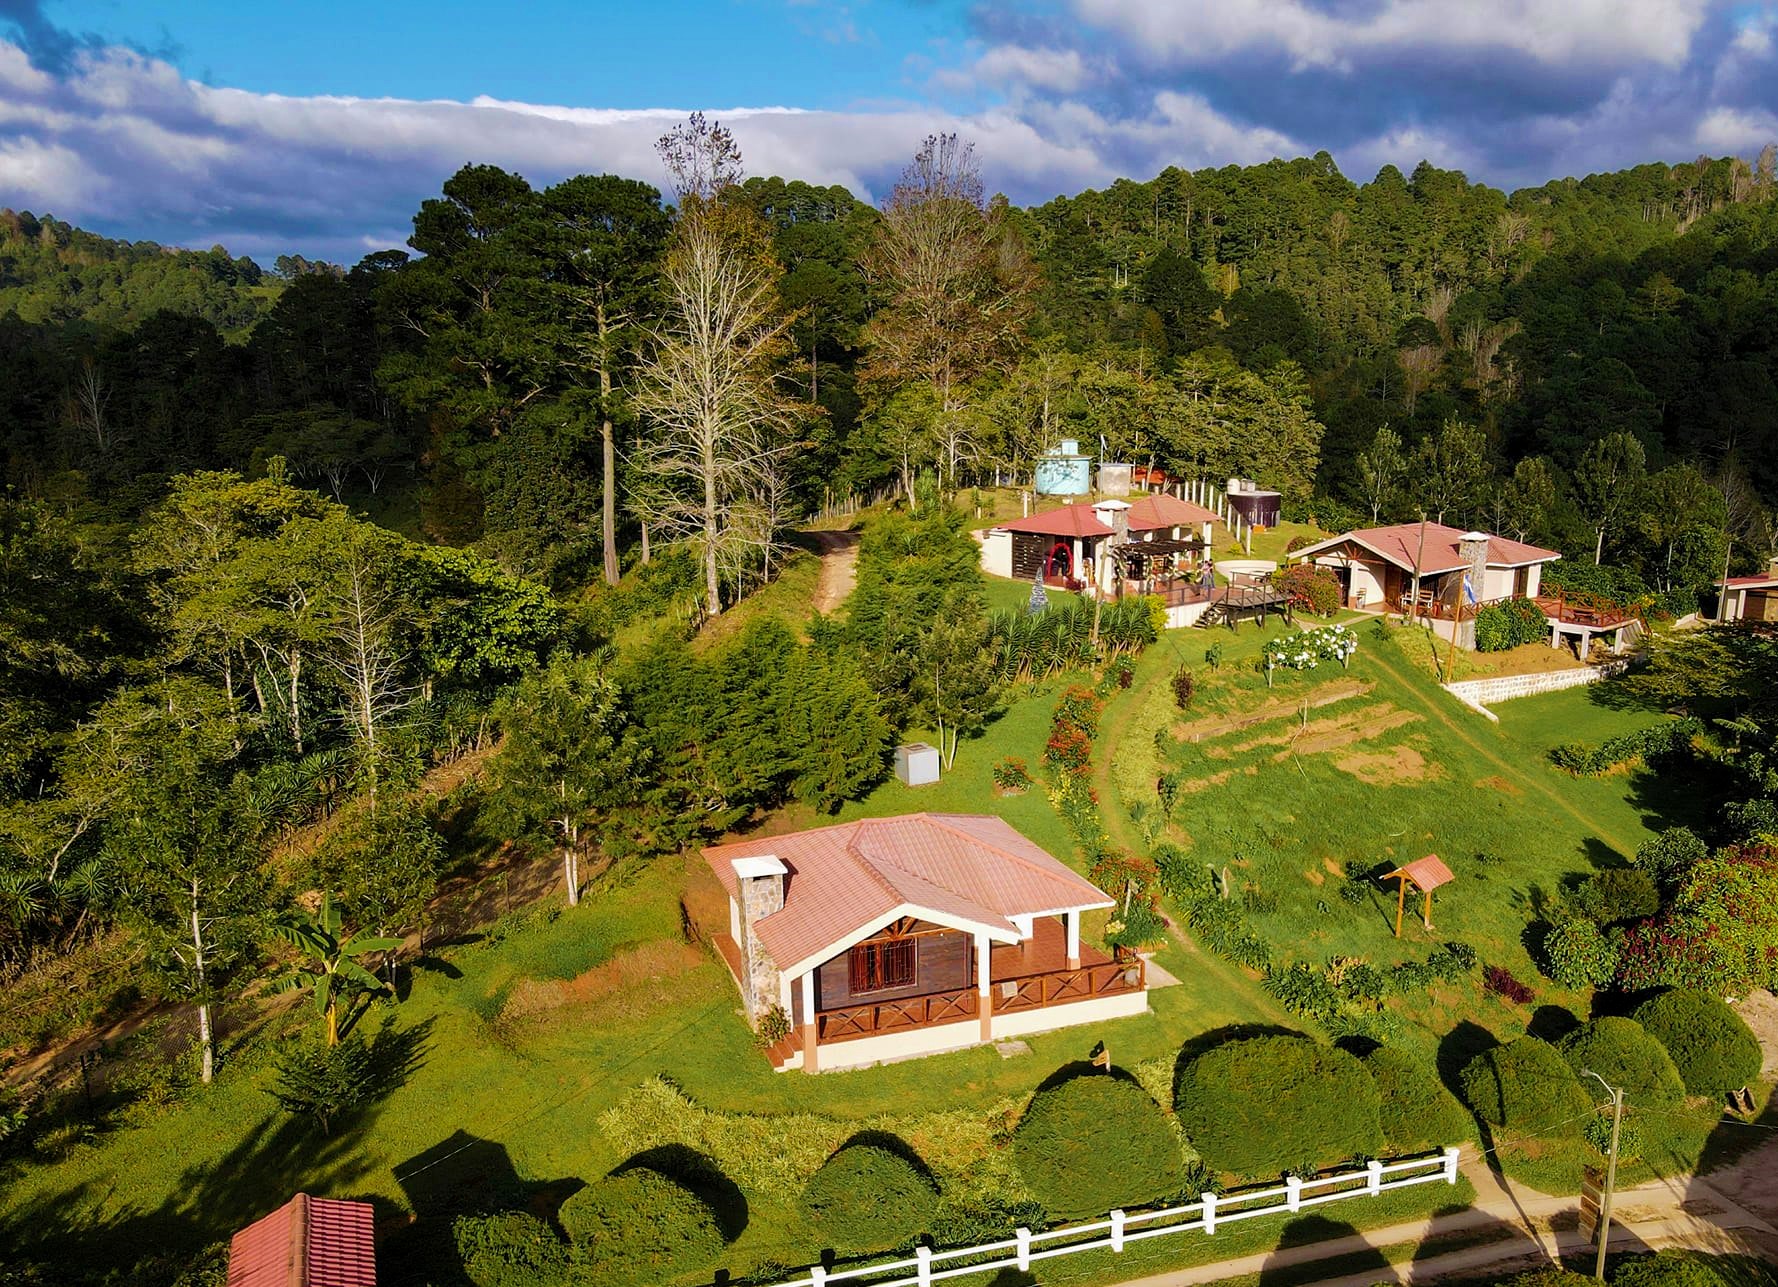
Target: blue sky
{"x":318,"y":126}
{"x":593,"y":53}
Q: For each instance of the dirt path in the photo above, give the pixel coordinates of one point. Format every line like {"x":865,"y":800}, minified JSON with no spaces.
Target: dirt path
{"x":839,"y":568}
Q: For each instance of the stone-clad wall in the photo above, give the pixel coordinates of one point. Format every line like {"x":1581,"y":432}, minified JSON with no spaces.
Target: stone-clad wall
{"x":1486,"y":692}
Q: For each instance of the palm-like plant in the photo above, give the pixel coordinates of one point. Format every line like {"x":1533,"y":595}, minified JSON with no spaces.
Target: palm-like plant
{"x":330,"y":969}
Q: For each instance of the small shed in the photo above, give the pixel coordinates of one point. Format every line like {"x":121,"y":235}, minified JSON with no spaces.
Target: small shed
{"x":916,"y":764}
{"x":307,"y":1242}
{"x":1425,"y":874}
{"x":1114,"y":478}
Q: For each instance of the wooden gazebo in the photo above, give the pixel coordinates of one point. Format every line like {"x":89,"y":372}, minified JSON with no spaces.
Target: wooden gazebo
{"x":1424,"y":874}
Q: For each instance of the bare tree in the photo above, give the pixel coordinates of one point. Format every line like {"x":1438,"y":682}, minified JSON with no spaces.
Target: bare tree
{"x":91,"y":398}
{"x":710,"y":390}
{"x":362,"y":652}
{"x":955,"y":287}
{"x":1418,"y":365}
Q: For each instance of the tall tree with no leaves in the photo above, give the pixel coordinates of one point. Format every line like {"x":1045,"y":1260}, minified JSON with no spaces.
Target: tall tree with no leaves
{"x":710,"y":390}
{"x":953,"y":282}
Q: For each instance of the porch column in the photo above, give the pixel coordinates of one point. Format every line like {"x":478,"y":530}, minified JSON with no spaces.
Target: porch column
{"x":984,"y":1002}
{"x":1078,"y":558}
{"x":811,"y":1028}
{"x":1072,"y":921}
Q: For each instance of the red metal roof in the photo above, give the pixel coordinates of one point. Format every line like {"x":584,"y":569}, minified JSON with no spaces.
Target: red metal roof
{"x":1159,"y":511}
{"x":1070,"y":520}
{"x":843,"y":878}
{"x":307,"y":1242}
{"x":1767,"y":580}
{"x":1400,"y":544}
{"x":1426,"y":873}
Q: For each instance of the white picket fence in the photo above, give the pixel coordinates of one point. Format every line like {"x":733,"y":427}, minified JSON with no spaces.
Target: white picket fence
{"x":1209,"y":1213}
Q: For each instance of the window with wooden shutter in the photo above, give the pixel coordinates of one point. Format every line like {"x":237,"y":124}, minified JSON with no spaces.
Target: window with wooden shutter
{"x":879,"y":966}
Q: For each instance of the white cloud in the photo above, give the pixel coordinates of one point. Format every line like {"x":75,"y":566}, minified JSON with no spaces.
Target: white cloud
{"x":1062,"y":71}
{"x":1554,"y":32}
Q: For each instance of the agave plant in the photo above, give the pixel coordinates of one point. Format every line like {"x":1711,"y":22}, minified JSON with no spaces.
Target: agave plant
{"x":330,"y":969}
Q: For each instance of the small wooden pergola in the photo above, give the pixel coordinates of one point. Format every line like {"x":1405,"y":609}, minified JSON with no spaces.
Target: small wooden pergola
{"x":1425,"y":874}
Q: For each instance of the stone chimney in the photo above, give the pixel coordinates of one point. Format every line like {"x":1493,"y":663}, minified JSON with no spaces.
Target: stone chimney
{"x":1472,"y":548}
{"x":761,"y":879}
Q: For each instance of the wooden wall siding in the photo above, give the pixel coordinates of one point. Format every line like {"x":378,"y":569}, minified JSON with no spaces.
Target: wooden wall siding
{"x":1029,"y":552}
{"x":941,"y":964}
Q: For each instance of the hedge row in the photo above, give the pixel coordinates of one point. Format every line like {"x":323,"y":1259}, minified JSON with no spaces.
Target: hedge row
{"x":1648,"y":744}
{"x":1499,"y":626}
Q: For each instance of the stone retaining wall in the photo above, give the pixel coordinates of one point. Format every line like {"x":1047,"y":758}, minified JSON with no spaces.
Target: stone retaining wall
{"x":1480,"y":694}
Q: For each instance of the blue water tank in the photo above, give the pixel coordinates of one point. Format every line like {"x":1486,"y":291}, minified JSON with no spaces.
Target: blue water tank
{"x":1063,"y":471}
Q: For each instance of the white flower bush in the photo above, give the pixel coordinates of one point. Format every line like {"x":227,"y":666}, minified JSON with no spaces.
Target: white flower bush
{"x":1307,"y":649}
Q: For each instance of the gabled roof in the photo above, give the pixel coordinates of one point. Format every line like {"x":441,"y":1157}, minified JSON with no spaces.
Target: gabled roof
{"x":1163,"y":511}
{"x":1426,"y":873}
{"x":1070,"y":520}
{"x":1755,"y":582}
{"x":967,"y":869}
{"x":1400,"y":544}
{"x":307,"y":1242}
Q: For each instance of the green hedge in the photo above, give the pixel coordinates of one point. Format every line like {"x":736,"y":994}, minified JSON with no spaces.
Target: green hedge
{"x":1526,"y":1087}
{"x":868,"y":1197}
{"x":509,"y":1249}
{"x":638,"y":1225}
{"x":1625,"y":1055}
{"x":1577,"y":955}
{"x":1094,"y":1142}
{"x":1265,"y":1105}
{"x":1618,"y":894}
{"x":1711,"y":1046}
{"x":1648,"y":745}
{"x":1499,"y":626}
{"x":1417,"y":1113}
{"x":1693,"y":1269}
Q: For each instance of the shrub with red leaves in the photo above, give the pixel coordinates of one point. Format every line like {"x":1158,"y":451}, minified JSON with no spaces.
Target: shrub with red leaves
{"x":1498,"y":979}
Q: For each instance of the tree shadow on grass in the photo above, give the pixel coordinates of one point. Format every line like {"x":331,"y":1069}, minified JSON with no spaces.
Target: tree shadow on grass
{"x":1285,"y":1269}
{"x":1458,"y":1046}
{"x":1552,"y":1022}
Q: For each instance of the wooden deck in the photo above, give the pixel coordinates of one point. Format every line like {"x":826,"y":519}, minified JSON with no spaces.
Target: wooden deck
{"x":1021,"y":976}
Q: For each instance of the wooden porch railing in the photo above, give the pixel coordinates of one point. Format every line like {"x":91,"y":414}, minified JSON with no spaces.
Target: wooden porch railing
{"x":1056,"y":987}
{"x":895,"y":1016}
{"x":1059,"y":986}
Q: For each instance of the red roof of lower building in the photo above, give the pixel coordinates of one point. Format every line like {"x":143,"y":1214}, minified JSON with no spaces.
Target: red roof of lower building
{"x":1160,"y":511}
{"x":955,"y":867}
{"x":1767,"y":580}
{"x":1070,"y":520}
{"x":307,"y":1242}
{"x":1402,"y":543}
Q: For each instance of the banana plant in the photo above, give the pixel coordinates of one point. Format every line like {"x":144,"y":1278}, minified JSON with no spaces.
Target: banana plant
{"x":330,"y":969}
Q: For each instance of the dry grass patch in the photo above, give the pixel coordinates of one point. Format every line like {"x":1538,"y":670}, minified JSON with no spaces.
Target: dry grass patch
{"x":1276,"y":708}
{"x":634,"y":982}
{"x":1389,"y":768}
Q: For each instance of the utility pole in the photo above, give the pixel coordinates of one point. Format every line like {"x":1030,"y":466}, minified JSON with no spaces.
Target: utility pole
{"x":1617,"y":1120}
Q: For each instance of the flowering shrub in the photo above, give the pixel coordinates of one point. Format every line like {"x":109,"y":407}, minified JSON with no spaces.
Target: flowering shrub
{"x":1314,"y":590}
{"x":1307,"y":649}
{"x":1011,"y":774}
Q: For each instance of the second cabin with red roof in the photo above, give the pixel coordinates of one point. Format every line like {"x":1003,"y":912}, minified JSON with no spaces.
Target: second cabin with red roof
{"x":891,"y":937}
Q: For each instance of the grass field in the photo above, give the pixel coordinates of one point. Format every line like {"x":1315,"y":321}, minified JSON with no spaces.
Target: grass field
{"x":560,"y":1041}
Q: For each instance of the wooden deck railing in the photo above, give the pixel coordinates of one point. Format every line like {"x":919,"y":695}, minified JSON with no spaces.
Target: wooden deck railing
{"x":896,"y":1016}
{"x":1060,"y":986}
{"x":1055,"y":987}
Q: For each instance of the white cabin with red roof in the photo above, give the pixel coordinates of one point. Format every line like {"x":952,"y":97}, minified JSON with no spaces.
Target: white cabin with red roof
{"x":887,"y":938}
{"x":1383,"y":567}
{"x":1746,"y":598}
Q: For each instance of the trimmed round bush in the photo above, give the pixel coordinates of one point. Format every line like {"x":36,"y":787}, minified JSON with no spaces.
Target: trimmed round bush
{"x":1094,"y":1142}
{"x":508,"y":1249}
{"x":1618,"y":894}
{"x":1711,"y":1046}
{"x":1417,"y":1113}
{"x":1266,"y":1105}
{"x":640,"y":1225}
{"x":1577,"y":955}
{"x":1525,"y":1086}
{"x":1621,"y":1051}
{"x":868,"y":1198}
